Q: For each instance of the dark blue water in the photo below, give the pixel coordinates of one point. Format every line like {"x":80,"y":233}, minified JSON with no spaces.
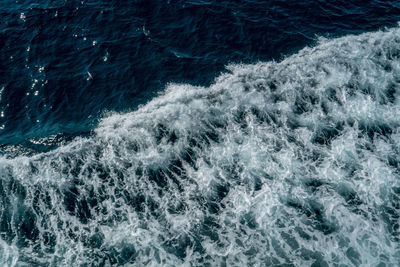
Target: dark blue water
{"x":290,"y":158}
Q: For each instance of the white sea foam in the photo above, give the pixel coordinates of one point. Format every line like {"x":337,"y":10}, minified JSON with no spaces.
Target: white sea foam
{"x":295,"y":162}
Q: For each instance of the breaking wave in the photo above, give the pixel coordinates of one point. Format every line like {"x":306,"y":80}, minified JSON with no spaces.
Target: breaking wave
{"x":296,"y":162}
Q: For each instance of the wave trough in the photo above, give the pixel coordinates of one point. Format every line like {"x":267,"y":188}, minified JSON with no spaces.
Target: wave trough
{"x":293,"y":162}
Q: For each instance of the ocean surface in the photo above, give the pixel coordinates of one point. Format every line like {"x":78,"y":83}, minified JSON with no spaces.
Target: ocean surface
{"x":199,"y":133}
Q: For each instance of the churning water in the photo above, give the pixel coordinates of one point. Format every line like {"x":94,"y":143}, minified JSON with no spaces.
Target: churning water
{"x":294,"y":162}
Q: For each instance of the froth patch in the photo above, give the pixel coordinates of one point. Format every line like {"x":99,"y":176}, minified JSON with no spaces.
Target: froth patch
{"x":292,"y":162}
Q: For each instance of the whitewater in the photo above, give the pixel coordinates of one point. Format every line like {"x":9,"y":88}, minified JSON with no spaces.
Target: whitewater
{"x":294,"y":162}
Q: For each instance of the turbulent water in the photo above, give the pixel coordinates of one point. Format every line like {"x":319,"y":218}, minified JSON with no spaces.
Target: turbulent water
{"x":276,"y":163}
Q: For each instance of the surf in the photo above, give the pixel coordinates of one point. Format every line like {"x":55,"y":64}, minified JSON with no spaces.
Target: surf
{"x":291,"y":162}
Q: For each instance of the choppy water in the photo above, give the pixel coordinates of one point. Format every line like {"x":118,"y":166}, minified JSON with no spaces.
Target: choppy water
{"x":293,"y":161}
